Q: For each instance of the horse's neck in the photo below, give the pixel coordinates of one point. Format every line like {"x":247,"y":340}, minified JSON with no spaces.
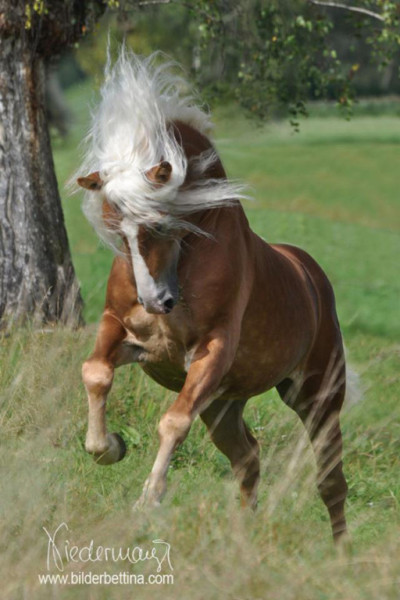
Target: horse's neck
{"x":225,"y":225}
{"x":195,"y":143}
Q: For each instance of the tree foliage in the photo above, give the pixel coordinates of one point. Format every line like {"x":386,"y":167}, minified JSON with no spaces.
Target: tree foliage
{"x":282,"y":52}
{"x":270,"y":53}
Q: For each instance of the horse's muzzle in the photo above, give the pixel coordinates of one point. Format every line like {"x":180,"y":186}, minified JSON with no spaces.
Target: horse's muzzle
{"x":160,"y":307}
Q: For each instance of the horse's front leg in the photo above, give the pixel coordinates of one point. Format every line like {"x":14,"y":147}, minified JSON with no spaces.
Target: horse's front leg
{"x":210,"y":363}
{"x":97,"y":375}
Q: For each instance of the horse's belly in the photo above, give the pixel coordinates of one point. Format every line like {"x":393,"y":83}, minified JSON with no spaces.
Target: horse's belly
{"x":251,"y":375}
{"x":267,"y":357}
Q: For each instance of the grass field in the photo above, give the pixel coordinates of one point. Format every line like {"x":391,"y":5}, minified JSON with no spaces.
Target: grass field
{"x":333,"y":189}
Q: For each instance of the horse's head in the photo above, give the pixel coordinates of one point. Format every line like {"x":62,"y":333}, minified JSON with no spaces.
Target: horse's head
{"x":154,"y":247}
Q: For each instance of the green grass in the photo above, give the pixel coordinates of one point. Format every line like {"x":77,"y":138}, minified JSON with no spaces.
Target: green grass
{"x":332,"y":189}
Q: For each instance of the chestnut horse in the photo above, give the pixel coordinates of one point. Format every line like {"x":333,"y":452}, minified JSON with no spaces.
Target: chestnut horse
{"x":205,"y":306}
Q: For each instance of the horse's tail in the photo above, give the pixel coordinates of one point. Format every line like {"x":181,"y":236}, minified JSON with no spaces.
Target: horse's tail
{"x":354,"y":388}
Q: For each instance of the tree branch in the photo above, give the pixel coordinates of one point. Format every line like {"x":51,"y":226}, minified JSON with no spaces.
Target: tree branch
{"x":150,"y":2}
{"x":356,"y":9}
{"x":187,"y":5}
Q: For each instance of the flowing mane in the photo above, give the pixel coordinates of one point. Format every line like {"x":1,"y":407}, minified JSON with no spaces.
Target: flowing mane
{"x":133,"y":129}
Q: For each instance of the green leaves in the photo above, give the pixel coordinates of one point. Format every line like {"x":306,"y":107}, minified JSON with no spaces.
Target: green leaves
{"x":273,"y":56}
{"x":278,"y":55}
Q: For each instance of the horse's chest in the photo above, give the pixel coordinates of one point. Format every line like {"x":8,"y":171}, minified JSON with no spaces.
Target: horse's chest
{"x":153,"y":339}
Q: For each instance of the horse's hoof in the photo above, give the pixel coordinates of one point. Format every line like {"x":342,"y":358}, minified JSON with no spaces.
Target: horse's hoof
{"x":144,"y":502}
{"x":148,"y":499}
{"x":344,"y":544}
{"x":122,"y":445}
{"x":115,"y":452}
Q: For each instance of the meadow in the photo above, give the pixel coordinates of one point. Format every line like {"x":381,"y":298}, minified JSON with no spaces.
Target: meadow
{"x":333,"y":189}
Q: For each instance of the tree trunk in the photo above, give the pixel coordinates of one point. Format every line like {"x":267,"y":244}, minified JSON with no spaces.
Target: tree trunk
{"x":37,"y":277}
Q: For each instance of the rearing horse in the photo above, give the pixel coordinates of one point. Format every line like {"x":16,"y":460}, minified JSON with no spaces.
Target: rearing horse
{"x":205,"y":306}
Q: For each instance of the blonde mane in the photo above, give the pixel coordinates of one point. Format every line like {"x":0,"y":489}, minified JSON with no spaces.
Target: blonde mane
{"x":131,"y":131}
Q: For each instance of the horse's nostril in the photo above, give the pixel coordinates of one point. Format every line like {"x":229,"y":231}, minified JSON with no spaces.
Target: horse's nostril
{"x":169,"y":304}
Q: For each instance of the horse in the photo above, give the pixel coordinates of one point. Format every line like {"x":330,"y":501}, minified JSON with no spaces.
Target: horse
{"x":206,"y":307}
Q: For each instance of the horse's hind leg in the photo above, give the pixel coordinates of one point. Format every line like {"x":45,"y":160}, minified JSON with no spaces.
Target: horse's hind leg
{"x":97,"y":375}
{"x":230,"y":434}
{"x":318,"y":403}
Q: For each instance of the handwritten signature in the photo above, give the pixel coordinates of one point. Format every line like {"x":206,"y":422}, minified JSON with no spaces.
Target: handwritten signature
{"x":61,"y":551}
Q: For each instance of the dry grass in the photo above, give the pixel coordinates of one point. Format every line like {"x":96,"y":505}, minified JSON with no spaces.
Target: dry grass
{"x":284,"y":551}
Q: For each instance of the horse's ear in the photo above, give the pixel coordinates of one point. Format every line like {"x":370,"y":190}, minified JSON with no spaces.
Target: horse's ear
{"x":91,"y":182}
{"x":160,"y":174}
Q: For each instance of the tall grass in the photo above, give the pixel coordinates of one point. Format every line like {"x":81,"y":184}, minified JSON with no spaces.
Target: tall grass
{"x":283,"y":551}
